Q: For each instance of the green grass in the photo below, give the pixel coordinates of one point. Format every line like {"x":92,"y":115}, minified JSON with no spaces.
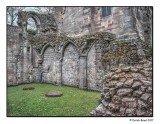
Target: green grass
{"x":74,"y":102}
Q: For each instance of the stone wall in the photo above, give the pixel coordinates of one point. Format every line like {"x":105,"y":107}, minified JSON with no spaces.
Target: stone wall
{"x":91,"y":68}
{"x":13,"y":55}
{"x":80,"y":21}
{"x":127,"y":91}
{"x":70,"y":66}
{"x":73,"y":50}
{"x":81,"y":62}
{"x":50,"y":66}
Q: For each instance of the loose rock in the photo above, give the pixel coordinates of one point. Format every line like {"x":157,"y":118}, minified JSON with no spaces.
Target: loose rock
{"x":54,"y":94}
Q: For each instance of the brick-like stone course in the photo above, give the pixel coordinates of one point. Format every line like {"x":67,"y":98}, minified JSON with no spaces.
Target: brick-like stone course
{"x":132,"y":98}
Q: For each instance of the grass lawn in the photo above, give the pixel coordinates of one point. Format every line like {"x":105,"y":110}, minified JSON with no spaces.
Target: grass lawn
{"x":74,"y":102}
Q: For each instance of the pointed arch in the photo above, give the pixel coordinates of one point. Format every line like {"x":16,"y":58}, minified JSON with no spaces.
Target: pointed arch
{"x":35,"y":17}
{"x":90,"y":47}
{"x":44,"y":48}
{"x":65,"y":45}
{"x":70,"y":65}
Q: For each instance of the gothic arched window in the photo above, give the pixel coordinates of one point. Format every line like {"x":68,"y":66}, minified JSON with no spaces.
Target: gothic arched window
{"x":31,"y":26}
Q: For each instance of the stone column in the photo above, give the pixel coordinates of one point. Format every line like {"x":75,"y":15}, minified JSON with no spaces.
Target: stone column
{"x":60,"y":71}
{"x":25,"y":63}
{"x":83,"y":72}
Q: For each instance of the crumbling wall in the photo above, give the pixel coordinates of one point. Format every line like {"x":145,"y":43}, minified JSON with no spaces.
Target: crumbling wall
{"x":70,"y":66}
{"x":89,"y":55}
{"x":81,"y":61}
{"x":13,"y":55}
{"x":91,"y":69}
{"x":127,"y":91}
{"x":79,"y":21}
{"x":50,"y":66}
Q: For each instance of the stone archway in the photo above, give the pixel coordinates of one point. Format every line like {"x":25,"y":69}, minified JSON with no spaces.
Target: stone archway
{"x":50,"y":66}
{"x":70,"y":66}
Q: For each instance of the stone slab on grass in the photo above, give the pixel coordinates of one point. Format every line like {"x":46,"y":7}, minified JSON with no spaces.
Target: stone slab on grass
{"x":28,"y":88}
{"x":54,"y":94}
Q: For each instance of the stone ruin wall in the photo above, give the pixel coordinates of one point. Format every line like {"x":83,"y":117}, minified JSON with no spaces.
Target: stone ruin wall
{"x":127,"y":91}
{"x":48,"y":55}
{"x":75,"y":62}
{"x":71,"y":62}
{"x":79,"y":21}
{"x":13,"y":54}
{"x":70,"y":66}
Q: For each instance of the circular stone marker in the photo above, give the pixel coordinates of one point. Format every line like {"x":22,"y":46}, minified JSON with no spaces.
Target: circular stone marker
{"x":28,"y":88}
{"x":54,"y":94}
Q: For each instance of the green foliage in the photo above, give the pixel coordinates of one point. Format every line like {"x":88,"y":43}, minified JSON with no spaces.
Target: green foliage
{"x":74,"y":102}
{"x":149,"y":52}
{"x":31,"y":31}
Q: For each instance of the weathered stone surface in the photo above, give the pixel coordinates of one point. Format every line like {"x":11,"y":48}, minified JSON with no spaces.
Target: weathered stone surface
{"x":145,"y":73}
{"x":126,"y":69}
{"x":114,"y":69}
{"x":91,"y":69}
{"x":93,"y":113}
{"x":137,"y":75}
{"x":128,"y":99}
{"x":112,"y":83}
{"x":106,"y":89}
{"x":118,"y":71}
{"x":122,"y":80}
{"x":134,"y":69}
{"x":116,"y":99}
{"x":70,"y":66}
{"x":28,"y":88}
{"x":50,"y":65}
{"x":137,"y":93}
{"x":109,"y":75}
{"x":115,"y":77}
{"x":130,"y":112}
{"x":129,"y":102}
{"x":113,"y":107}
{"x":104,"y":103}
{"x":122,"y":111}
{"x":140,"y":112}
{"x":132,"y":96}
{"x":100,"y":109}
{"x":119,"y":85}
{"x":129,"y":76}
{"x":136,"y":84}
{"x":54,"y":94}
{"x":149,"y":90}
{"x":142,"y":105}
{"x":124,"y":91}
{"x":145,"y":96}
{"x":108,"y":113}
{"x":143,"y":88}
{"x":128,"y":83}
{"x":112,"y":91}
{"x":147,"y":83}
{"x":150,"y":101}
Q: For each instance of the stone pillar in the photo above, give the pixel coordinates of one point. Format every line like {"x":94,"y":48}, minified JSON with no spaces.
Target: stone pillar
{"x":83,"y":72}
{"x":25,"y":63}
{"x":60,"y":71}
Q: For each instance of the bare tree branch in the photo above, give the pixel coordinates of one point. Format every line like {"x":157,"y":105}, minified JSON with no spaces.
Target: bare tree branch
{"x":12,"y":13}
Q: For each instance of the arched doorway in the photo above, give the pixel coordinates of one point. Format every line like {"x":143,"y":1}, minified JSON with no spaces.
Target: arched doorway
{"x":50,"y":66}
{"x":70,"y":66}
